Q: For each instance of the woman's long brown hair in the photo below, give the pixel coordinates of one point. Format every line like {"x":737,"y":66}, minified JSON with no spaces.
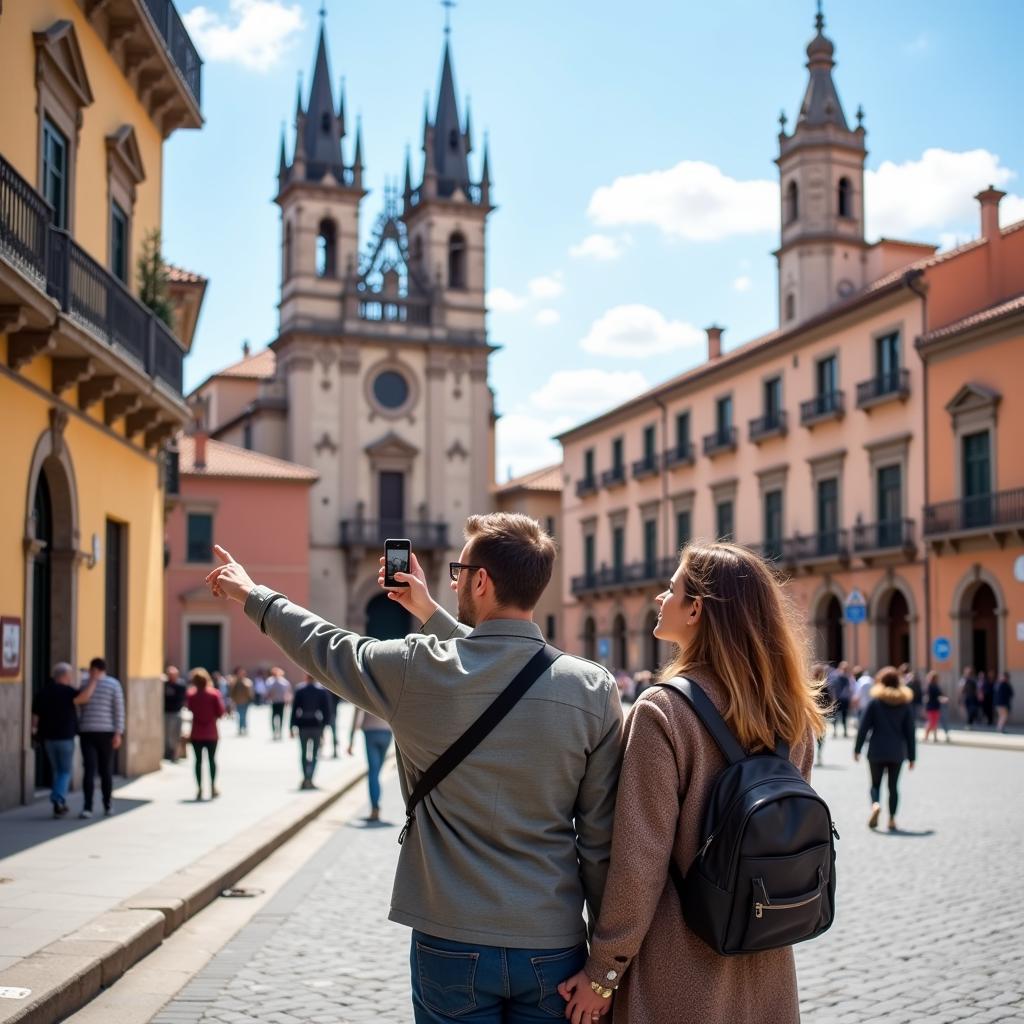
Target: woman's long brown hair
{"x":751,"y":640}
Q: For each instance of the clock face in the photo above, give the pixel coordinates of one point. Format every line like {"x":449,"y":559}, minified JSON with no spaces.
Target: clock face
{"x":845,"y":288}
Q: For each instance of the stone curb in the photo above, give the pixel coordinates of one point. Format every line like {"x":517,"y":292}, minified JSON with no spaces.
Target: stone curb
{"x":68,"y":973}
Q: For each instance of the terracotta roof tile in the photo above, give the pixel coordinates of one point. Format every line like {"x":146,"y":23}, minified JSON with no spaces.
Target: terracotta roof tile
{"x":227,"y":460}
{"x":1014,"y":305}
{"x":260,"y":365}
{"x":547,"y":479}
{"x":178,"y":275}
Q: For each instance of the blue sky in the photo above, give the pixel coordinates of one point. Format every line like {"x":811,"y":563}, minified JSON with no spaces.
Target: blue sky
{"x":632,"y":160}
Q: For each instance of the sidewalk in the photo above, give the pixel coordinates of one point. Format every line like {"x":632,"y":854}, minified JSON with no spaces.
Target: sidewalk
{"x":983,"y":737}
{"x":80,"y":901}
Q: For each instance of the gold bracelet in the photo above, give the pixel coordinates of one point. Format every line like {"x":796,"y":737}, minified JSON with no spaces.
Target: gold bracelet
{"x":604,"y":993}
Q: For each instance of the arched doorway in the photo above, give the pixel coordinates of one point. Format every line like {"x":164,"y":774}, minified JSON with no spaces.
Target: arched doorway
{"x":829,"y":622}
{"x":652,"y":646}
{"x":984,"y":633}
{"x":387,"y":619}
{"x":896,"y":623}
{"x":589,"y":639}
{"x":620,"y":654}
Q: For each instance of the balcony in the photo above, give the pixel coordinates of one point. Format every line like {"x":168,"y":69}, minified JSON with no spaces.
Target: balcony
{"x":681,"y":455}
{"x":586,"y":486}
{"x":773,"y":424}
{"x":998,"y":516}
{"x":371,"y":533}
{"x":830,"y":405}
{"x":770,"y":550}
{"x":722,"y":440}
{"x":645,"y":467}
{"x":645,"y":573}
{"x":614,"y":477}
{"x":826,"y":547}
{"x":892,"y":536}
{"x":885,"y":387}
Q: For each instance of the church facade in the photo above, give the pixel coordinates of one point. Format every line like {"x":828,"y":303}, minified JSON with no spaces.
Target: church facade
{"x":378,"y":377}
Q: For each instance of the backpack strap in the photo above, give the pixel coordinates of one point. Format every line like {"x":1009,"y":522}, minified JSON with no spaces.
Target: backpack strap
{"x":709,"y":716}
{"x":478,"y":731}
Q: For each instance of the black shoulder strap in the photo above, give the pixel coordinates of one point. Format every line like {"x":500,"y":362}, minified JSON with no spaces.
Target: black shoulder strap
{"x":476,"y":733}
{"x":709,"y":716}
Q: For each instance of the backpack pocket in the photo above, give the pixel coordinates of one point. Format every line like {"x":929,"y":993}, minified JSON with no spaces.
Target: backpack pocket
{"x":787,"y":897}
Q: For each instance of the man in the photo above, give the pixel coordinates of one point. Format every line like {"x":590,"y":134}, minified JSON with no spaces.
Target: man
{"x":840,"y":688}
{"x":55,"y":723}
{"x":241,"y":695}
{"x":310,"y":712}
{"x":279,"y":691}
{"x":862,"y":696}
{"x":101,"y":728}
{"x":502,"y":855}
{"x":174,"y":701}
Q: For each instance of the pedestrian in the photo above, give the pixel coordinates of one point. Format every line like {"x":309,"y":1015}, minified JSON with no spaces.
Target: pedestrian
{"x":100,"y":731}
{"x":934,"y":702}
{"x":174,"y":700}
{"x":279,"y":692}
{"x":310,"y":711}
{"x":259,"y":687}
{"x":241,"y":693}
{"x":377,"y":737}
{"x":987,"y":696}
{"x":725,"y":612}
{"x":641,"y":680}
{"x":840,"y":687}
{"x":207,"y":706}
{"x":1003,"y":699}
{"x":55,"y":725}
{"x":498,"y":861}
{"x":968,"y":692}
{"x":221,"y":685}
{"x":862,"y":692}
{"x":913,"y":683}
{"x":889,"y":730}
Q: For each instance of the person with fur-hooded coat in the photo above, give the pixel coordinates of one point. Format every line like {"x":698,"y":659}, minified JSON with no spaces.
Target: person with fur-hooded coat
{"x":888,"y":728}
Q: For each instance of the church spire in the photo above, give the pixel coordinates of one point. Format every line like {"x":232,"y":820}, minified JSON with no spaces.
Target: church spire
{"x":407,"y":183}
{"x":357,"y":159}
{"x":449,"y":142}
{"x":821,"y":104}
{"x":485,"y":174}
{"x":324,"y":129}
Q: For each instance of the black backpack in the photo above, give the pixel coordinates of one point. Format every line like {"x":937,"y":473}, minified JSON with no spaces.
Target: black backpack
{"x":765,"y":875}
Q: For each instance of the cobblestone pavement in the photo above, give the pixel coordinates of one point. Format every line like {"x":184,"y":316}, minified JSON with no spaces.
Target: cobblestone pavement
{"x":929,"y":924}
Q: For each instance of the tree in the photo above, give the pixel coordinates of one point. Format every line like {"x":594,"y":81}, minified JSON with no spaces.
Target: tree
{"x":153,"y":280}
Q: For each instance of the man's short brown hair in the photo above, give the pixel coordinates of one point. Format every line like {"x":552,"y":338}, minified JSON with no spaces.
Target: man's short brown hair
{"x":517,"y":554}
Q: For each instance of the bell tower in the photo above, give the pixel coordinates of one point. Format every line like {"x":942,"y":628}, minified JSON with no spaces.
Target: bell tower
{"x":821,"y":259}
{"x":319,"y":196}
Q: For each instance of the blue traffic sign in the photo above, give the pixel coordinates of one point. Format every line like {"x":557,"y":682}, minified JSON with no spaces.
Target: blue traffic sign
{"x":941,"y":648}
{"x":604,"y":648}
{"x":856,"y":608}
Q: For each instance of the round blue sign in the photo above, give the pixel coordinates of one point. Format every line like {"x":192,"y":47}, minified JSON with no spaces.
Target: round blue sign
{"x":856,"y":613}
{"x":941,"y":648}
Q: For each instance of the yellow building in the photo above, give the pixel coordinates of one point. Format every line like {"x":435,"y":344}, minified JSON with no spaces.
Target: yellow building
{"x":90,"y":378}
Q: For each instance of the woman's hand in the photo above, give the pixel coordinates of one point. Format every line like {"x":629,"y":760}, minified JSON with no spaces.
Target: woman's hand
{"x":584,"y":1004}
{"x":415,"y":598}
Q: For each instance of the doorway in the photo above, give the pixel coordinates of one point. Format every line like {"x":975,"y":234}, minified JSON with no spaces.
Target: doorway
{"x":387,"y":619}
{"x":897,"y":628}
{"x":42,"y":523}
{"x":391,"y":501}
{"x":204,"y":646}
{"x":984,"y":636}
{"x":830,"y":631}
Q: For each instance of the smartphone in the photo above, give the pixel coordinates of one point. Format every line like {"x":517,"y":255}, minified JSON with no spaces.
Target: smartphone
{"x":397,"y":556}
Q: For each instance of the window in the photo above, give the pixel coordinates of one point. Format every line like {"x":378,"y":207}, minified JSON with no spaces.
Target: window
{"x":790,"y":306}
{"x":119,"y":243}
{"x":549,"y":526}
{"x":845,"y":204}
{"x":772,"y":524}
{"x":887,"y":359}
{"x":617,"y":453}
{"x":828,"y":515}
{"x":723,"y":416}
{"x":977,"y":478}
{"x":650,"y":547}
{"x":649,"y":454}
{"x":772,"y":400}
{"x":55,"y":172}
{"x":724,"y":520}
{"x":247,"y":435}
{"x":287,"y":251}
{"x":682,"y":431}
{"x":889,"y":481}
{"x":618,"y":550}
{"x":457,"y":261}
{"x":326,"y":249}
{"x":588,"y":464}
{"x":792,"y":202}
{"x":391,"y":389}
{"x":588,"y":554}
{"x":550,"y":630}
{"x":827,"y":376}
{"x":200,"y":537}
{"x":683,"y":528}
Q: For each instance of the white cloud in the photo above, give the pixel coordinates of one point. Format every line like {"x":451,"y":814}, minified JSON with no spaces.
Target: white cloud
{"x":597,"y":247}
{"x":255,"y":33}
{"x":635,"y":331}
{"x":524,"y":442}
{"x":742,"y":283}
{"x":693,"y":200}
{"x":1011,"y":210}
{"x":501,"y":300}
{"x":934,"y":194}
{"x":547,"y":317}
{"x":580,"y":394}
{"x":547,"y":286}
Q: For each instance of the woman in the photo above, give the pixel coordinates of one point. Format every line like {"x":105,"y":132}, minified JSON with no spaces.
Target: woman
{"x":241,"y":696}
{"x":888,"y":728}
{"x":207,"y":705}
{"x":377,"y":735}
{"x":934,"y":699}
{"x":1003,"y":701}
{"x":737,"y":637}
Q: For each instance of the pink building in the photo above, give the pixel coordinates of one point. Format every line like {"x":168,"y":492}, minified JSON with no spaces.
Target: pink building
{"x":257,"y":507}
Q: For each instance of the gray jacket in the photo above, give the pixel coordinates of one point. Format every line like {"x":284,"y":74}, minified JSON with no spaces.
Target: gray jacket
{"x":507,"y":848}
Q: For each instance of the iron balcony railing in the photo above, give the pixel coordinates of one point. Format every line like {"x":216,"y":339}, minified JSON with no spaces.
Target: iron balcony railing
{"x":888,"y":534}
{"x":680,"y":455}
{"x":394,"y":311}
{"x":884,"y":385}
{"x":86,"y":292}
{"x":722,"y":440}
{"x":979,"y":511}
{"x":179,"y":44}
{"x":772,"y":424}
{"x":630,"y":574}
{"x":828,"y":405}
{"x":368,"y":533}
{"x":647,"y":466}
{"x":824,"y":546}
{"x":613,"y":477}
{"x":588,"y":485}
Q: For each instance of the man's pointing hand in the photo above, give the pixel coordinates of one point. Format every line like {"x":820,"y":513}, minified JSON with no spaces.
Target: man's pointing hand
{"x":229,"y":579}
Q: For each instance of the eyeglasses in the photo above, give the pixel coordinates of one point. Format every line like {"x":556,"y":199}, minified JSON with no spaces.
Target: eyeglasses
{"x":454,"y":567}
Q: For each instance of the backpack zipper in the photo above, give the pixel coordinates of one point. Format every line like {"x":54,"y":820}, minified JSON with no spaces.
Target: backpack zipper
{"x":760,"y":908}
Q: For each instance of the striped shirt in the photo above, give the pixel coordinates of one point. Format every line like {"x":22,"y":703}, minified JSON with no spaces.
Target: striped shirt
{"x":104,"y":711}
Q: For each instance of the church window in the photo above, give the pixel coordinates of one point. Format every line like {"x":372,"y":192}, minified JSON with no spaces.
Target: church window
{"x":325,"y":123}
{"x":287,"y":250}
{"x":391,"y":389}
{"x":792,"y":202}
{"x":417,"y":250}
{"x":457,"y":261}
{"x":326,"y":242}
{"x":790,"y":306}
{"x":845,"y":198}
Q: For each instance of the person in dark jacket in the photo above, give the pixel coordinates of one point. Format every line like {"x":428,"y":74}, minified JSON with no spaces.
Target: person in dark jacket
{"x":174,"y":700}
{"x":888,"y":728}
{"x":987,"y":696}
{"x":1003,"y":700}
{"x":968,"y":690}
{"x":311,"y":711}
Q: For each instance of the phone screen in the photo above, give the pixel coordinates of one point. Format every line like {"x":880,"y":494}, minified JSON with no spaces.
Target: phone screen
{"x":396,"y":559}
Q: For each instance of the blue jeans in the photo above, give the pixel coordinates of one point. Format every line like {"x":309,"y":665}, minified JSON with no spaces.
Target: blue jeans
{"x":489,"y":984}
{"x":377,"y":743}
{"x":243,"y":716}
{"x":61,"y":753}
